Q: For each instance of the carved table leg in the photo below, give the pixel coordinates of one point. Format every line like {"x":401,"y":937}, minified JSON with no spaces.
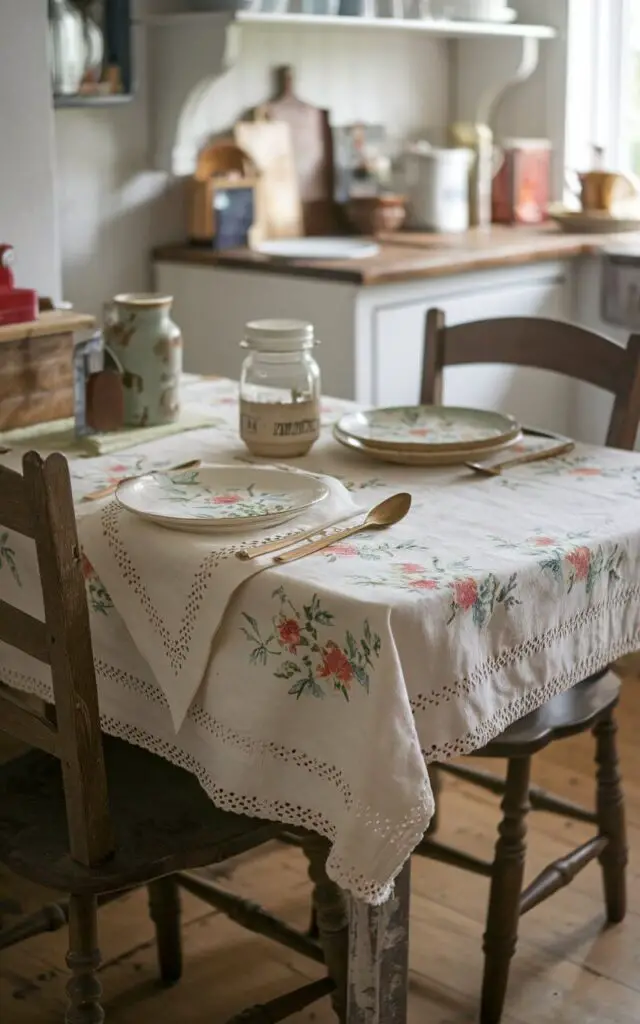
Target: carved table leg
{"x":611,"y":819}
{"x":164,"y":907}
{"x":83,"y":959}
{"x":503,"y":916}
{"x":330,"y":916}
{"x":379,"y":958}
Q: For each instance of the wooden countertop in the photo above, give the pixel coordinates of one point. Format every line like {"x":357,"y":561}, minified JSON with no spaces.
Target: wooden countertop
{"x":56,"y":321}
{"x":409,"y":256}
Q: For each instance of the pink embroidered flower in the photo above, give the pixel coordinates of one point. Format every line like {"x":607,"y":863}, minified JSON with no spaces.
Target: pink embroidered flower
{"x":87,"y":568}
{"x":119,"y":468}
{"x":226,"y":499}
{"x":543,"y":542}
{"x":465,"y":593}
{"x":422,"y":584}
{"x":411,"y":567}
{"x":580,"y":560}
{"x":289,"y":633}
{"x":335,"y":663}
{"x":420,"y":432}
{"x":343,"y":550}
{"x":585,"y":471}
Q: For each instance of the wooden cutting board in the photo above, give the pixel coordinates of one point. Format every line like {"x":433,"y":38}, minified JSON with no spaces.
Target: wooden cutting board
{"x":313,"y":152}
{"x":278,"y":206}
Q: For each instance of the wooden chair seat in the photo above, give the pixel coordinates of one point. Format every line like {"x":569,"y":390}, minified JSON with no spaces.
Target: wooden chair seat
{"x":568,"y":714}
{"x":164,"y":823}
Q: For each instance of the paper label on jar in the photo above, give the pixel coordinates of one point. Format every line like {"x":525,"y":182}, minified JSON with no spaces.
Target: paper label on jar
{"x":286,"y":427}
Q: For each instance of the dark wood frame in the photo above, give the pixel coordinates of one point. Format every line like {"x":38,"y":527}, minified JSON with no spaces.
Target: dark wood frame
{"x":544,"y":345}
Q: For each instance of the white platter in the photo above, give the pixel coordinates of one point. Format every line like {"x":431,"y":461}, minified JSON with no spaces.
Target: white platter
{"x":221,"y":498}
{"x":403,"y":457}
{"x":319,"y":248}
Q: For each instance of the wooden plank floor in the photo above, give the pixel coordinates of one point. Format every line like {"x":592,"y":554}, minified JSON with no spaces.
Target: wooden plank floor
{"x":569,"y":968}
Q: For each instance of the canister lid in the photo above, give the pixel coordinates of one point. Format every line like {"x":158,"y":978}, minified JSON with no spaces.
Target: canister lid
{"x":278,"y":335}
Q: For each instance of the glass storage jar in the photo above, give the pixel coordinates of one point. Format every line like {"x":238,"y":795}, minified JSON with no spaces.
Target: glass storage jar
{"x":279,"y":388}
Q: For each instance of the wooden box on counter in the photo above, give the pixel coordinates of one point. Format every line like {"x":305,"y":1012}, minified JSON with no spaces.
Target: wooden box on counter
{"x":36,"y":368}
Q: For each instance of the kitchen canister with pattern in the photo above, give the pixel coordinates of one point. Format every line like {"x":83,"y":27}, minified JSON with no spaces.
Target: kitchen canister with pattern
{"x":140,"y":332}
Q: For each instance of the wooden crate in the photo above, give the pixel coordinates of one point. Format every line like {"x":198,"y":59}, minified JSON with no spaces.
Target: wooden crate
{"x":36,"y":369}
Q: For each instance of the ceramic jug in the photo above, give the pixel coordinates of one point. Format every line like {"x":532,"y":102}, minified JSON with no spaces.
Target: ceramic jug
{"x":140,"y":333}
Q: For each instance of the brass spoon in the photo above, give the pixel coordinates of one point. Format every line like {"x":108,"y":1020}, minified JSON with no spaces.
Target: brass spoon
{"x":110,"y":488}
{"x":495,"y":469}
{"x":386,"y":513}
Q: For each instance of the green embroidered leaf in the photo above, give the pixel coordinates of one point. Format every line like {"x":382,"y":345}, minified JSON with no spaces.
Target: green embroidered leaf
{"x":252,"y":622}
{"x":324,"y":618}
{"x":288,"y":670}
{"x":554,"y":566}
{"x":351,"y":644}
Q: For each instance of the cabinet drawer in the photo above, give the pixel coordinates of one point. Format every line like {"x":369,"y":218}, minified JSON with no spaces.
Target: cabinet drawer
{"x":530,"y":395}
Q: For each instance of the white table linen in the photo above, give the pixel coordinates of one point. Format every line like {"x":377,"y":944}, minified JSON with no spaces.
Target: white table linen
{"x":334,"y":680}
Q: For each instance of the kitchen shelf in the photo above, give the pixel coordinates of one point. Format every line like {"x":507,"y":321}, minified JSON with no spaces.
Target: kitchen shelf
{"x":191,"y":50}
{"x":80,"y":100}
{"x":438,"y":27}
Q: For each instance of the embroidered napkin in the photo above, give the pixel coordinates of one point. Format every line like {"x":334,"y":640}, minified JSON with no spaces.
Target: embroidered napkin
{"x":172,"y":588}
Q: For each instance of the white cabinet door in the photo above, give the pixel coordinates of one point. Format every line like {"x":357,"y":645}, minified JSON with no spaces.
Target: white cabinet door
{"x":532,"y":396}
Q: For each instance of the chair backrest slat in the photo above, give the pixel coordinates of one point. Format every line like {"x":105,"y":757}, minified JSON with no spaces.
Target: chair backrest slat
{"x":540,"y":344}
{"x":15,"y":513}
{"x":27,"y":725}
{"x":24,"y":632}
{"x":42,"y":497}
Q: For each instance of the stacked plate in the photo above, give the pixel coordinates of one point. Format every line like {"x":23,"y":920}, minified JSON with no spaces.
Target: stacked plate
{"x":427,"y":435}
{"x":221,"y":498}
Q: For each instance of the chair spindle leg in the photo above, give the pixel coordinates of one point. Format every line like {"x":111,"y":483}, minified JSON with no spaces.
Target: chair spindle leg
{"x":611,"y":818}
{"x":83,"y":960}
{"x":501,"y":932}
{"x":164,"y":907}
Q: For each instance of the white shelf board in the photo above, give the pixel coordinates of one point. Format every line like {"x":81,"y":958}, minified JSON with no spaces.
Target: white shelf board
{"x":433,"y":27}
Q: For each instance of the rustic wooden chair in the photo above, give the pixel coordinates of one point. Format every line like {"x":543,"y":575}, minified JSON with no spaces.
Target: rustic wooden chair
{"x":91,"y":815}
{"x":548,"y":345}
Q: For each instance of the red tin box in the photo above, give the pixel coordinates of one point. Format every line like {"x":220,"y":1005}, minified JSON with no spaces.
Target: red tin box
{"x":521,"y":185}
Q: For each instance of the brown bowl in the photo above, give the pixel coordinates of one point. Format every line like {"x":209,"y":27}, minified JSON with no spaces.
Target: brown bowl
{"x":371,"y":215}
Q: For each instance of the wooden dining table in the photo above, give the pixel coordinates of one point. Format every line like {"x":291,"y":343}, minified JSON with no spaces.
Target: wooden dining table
{"x":316,"y":693}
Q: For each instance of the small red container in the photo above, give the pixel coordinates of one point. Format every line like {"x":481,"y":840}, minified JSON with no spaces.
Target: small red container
{"x":521,"y":186}
{"x":17,"y":305}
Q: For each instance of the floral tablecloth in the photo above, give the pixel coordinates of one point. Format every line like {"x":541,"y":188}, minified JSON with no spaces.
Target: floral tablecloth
{"x":331,"y":682}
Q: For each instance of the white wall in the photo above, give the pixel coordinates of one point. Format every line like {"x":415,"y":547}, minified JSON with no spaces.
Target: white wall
{"x":395,"y":79}
{"x":113,"y":207}
{"x":27,"y":202}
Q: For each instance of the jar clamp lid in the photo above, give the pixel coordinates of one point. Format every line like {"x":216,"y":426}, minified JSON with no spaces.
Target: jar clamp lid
{"x":278,"y":335}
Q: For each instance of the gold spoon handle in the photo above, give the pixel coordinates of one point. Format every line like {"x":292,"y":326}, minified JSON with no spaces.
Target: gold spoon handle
{"x":246,"y":554}
{"x":104,"y":492}
{"x":324,"y":542}
{"x":521,"y":460}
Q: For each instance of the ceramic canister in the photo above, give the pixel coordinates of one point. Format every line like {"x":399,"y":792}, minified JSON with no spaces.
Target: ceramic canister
{"x":147,"y":343}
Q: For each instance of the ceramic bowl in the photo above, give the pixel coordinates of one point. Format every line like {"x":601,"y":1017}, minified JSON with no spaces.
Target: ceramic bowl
{"x":371,"y":215}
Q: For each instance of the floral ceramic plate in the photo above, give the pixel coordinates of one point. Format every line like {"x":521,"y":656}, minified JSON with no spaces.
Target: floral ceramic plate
{"x":221,"y":497}
{"x":409,"y":457}
{"x":429,"y":428}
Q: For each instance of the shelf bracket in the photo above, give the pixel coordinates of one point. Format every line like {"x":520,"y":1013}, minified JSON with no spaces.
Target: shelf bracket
{"x":490,"y":98}
{"x":478,"y":101}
